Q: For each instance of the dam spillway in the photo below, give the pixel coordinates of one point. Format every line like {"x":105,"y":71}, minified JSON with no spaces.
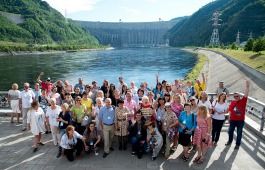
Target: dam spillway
{"x":130,"y":34}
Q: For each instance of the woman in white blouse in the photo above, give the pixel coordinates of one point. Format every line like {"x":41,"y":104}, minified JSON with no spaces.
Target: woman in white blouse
{"x":72,"y":140}
{"x":220,"y":107}
{"x":52,"y":114}
{"x":13,"y":101}
{"x":203,"y":101}
{"x":35,"y":123}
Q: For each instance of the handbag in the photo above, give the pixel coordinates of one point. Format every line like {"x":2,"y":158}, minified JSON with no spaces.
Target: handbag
{"x":85,"y":121}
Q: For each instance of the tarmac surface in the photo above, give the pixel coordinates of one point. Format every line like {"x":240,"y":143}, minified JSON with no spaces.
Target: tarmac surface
{"x":16,"y":152}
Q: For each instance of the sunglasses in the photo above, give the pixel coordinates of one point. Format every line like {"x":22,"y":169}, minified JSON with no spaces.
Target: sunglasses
{"x":78,"y":100}
{"x":191,"y":100}
{"x":236,"y":96}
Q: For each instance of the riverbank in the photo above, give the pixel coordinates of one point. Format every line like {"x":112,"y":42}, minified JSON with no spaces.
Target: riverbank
{"x":200,"y":66}
{"x":22,"y":53}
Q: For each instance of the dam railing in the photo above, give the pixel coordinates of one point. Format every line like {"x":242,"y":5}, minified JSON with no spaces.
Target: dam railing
{"x":254,"y":109}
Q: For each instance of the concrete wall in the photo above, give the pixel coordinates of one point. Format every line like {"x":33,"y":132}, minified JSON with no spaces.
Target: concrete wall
{"x":130,"y":34}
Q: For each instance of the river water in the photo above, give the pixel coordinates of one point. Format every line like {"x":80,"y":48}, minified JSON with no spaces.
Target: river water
{"x":134,"y":64}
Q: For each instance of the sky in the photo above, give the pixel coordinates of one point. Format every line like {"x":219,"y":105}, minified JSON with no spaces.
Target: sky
{"x":126,"y":10}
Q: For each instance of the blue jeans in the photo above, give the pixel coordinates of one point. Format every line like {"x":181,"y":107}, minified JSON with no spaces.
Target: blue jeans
{"x":239,"y":124}
{"x":136,"y":146}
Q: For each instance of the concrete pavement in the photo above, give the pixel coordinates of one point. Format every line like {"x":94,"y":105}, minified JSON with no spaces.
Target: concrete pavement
{"x":16,"y":152}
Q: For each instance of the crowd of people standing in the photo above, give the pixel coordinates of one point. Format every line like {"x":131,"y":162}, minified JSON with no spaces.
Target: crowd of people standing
{"x":84,"y":117}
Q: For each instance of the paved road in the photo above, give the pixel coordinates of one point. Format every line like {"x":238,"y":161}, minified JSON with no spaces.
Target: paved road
{"x":16,"y":152}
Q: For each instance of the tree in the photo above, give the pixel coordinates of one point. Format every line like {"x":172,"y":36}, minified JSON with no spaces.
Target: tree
{"x":249,"y":45}
{"x":222,"y":46}
{"x":233,"y":46}
{"x":259,"y":45}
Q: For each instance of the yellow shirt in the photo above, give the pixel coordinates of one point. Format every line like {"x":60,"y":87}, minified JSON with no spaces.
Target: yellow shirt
{"x":199,"y":88}
{"x":88,"y":104}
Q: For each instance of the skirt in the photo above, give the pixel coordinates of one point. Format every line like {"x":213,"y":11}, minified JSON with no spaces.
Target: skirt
{"x":184,"y":139}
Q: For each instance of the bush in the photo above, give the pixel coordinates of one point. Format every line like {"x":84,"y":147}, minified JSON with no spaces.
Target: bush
{"x":249,"y":45}
{"x":259,"y":45}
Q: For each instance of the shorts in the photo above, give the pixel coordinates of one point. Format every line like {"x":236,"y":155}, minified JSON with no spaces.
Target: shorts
{"x":15,"y":106}
{"x":184,"y":139}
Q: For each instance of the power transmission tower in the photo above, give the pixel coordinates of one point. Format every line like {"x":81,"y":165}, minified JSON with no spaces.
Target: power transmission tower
{"x":250,"y":35}
{"x":65,"y":15}
{"x":238,"y":38}
{"x":215,"y":35}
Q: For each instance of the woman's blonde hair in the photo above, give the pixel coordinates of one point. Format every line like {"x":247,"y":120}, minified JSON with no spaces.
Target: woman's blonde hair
{"x":78,"y":98}
{"x":15,"y":86}
{"x":177,"y":95}
{"x":219,"y":97}
{"x":145,"y":98}
{"x":65,"y":106}
{"x":68,"y":129}
{"x":204,"y":109}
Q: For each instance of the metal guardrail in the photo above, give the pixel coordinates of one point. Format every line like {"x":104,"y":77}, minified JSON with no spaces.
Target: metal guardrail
{"x":254,"y":107}
{"x":3,"y":100}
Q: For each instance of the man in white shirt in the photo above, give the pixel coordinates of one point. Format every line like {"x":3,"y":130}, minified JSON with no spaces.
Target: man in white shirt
{"x":26,"y":97}
{"x":121,"y":83}
{"x":134,"y":88}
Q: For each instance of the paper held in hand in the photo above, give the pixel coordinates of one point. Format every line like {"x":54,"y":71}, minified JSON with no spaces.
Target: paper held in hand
{"x":147,"y":111}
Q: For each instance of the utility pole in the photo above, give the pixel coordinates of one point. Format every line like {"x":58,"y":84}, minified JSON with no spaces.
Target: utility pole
{"x":238,"y":38}
{"x":215,"y":35}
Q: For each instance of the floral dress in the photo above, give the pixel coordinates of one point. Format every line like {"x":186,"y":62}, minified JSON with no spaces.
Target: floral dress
{"x":121,"y":121}
{"x":201,"y":132}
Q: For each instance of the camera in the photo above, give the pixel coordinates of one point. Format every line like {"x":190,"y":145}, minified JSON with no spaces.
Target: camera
{"x":185,"y":130}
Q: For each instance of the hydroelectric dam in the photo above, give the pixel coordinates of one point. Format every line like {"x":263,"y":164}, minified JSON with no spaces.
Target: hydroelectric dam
{"x":130,"y":34}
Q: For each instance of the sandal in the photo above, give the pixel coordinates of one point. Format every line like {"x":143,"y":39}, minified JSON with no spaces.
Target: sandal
{"x":173,"y":148}
{"x":197,"y":159}
{"x":185,"y":159}
{"x":201,"y":160}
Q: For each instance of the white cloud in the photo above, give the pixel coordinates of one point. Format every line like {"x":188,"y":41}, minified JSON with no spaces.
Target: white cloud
{"x":72,"y":6}
{"x":133,"y":11}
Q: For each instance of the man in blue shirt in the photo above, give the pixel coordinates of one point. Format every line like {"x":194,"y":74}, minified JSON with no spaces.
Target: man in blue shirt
{"x":106,"y":122}
{"x":80,"y":85}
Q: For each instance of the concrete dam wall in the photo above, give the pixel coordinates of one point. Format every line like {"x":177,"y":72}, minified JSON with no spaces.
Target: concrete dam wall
{"x":130,"y":34}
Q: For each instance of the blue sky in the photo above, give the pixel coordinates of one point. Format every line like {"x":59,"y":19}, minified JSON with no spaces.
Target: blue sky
{"x":126,"y":10}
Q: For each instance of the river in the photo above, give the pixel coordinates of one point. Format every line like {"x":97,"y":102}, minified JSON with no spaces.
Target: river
{"x":134,"y":64}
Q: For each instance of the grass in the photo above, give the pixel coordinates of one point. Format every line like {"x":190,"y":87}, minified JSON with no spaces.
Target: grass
{"x":12,"y":43}
{"x":252,"y":59}
{"x":195,"y":72}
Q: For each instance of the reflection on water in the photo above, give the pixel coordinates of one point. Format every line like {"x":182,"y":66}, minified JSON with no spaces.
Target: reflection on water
{"x":134,"y":64}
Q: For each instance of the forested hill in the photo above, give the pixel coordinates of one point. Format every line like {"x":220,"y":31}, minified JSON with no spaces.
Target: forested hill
{"x":236,"y":15}
{"x":34,"y":21}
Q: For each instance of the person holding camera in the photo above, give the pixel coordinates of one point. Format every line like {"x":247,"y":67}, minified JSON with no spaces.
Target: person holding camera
{"x":92,"y":138}
{"x":187,"y":124}
{"x":154,"y":138}
{"x":202,"y":138}
{"x":69,"y":143}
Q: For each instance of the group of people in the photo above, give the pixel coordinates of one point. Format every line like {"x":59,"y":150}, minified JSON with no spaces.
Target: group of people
{"x":151,"y":120}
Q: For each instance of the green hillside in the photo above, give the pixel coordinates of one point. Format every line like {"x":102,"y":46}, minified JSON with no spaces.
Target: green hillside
{"x":236,"y":15}
{"x":40,"y":24}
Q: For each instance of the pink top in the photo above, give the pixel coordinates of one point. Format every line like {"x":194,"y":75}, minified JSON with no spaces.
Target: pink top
{"x":177,"y":108}
{"x":131,"y":106}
